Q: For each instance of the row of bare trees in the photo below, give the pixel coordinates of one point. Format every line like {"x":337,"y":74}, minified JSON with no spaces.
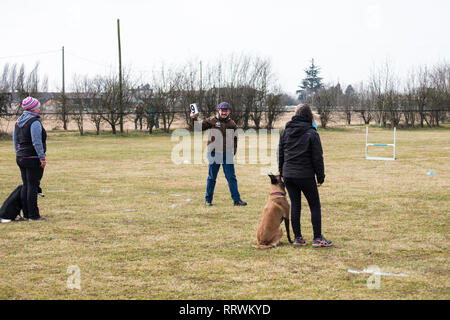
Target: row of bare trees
{"x":246,"y":82}
{"x":422,"y":100}
{"x":17,"y":81}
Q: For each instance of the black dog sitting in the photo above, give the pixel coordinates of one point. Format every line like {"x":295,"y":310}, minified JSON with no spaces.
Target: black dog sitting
{"x":12,"y":205}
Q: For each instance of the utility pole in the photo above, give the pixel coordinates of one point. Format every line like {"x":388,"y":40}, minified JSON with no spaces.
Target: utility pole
{"x":218,"y":89}
{"x":120,"y":79}
{"x":63,"y":93}
{"x":201,"y":85}
{"x":201,"y":75}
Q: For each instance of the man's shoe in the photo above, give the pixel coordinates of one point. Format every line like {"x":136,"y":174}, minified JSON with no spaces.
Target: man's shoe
{"x":321,"y":242}
{"x":299,"y":241}
{"x":5,"y":220}
{"x":20,"y":218}
{"x":240,"y":203}
{"x":208,"y":204}
{"x":39,"y":219}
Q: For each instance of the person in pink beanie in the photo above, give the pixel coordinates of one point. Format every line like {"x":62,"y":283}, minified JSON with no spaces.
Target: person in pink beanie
{"x":29,"y":138}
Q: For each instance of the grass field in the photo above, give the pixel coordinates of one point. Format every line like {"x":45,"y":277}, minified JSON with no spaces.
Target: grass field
{"x":119,"y":209}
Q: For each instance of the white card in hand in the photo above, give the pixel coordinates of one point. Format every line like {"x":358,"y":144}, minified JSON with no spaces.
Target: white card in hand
{"x":194,"y":109}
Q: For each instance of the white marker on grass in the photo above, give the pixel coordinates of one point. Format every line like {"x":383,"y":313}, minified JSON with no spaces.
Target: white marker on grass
{"x":379,"y":273}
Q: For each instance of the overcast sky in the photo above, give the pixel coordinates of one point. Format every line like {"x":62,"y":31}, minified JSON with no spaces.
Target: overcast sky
{"x":346,"y":38}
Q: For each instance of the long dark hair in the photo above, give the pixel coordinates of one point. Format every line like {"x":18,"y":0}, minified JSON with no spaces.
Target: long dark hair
{"x":304,"y":111}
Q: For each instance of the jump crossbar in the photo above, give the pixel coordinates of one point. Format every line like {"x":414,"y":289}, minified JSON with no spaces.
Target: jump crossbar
{"x":380,"y":145}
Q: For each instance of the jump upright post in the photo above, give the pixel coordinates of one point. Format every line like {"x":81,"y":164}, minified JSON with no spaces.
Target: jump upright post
{"x":379,"y":145}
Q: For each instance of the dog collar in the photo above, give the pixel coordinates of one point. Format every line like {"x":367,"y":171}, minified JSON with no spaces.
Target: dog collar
{"x":278,"y":194}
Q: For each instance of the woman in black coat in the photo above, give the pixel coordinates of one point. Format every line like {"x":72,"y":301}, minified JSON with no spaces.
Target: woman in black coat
{"x":300,"y":162}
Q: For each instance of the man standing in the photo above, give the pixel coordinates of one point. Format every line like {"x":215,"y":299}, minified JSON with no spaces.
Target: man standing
{"x":139,"y":111}
{"x":152,"y":119}
{"x":222,"y":144}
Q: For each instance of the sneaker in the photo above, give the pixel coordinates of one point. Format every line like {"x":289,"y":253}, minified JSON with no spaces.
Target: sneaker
{"x":20,"y":218}
{"x":208,"y":204}
{"x":5,"y":220}
{"x":298,"y":241}
{"x":321,"y":242}
{"x":39,"y":219}
{"x":240,"y":203}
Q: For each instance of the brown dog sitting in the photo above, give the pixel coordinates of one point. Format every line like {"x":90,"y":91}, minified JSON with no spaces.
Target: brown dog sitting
{"x":276,"y":210}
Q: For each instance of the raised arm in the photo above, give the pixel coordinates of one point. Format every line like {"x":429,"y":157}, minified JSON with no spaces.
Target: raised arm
{"x":206,"y":124}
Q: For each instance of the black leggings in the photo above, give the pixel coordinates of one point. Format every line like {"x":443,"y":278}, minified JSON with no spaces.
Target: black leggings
{"x":31,"y":172}
{"x":308,"y":186}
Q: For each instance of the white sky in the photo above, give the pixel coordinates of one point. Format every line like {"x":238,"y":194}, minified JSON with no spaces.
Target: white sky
{"x":346,"y":38}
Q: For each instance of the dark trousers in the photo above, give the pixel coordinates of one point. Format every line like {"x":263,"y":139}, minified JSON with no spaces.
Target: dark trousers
{"x":308,"y":186}
{"x":138,"y":118}
{"x":214,"y":162}
{"x":31,"y":172}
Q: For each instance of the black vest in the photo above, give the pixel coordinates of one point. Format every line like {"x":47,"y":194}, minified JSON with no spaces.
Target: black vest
{"x":24,"y":142}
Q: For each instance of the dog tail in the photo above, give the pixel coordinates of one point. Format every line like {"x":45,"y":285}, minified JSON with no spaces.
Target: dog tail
{"x":286,"y":224}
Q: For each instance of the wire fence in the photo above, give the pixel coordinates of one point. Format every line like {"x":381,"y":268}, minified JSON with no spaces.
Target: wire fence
{"x":184,"y":112}
{"x":88,"y":113}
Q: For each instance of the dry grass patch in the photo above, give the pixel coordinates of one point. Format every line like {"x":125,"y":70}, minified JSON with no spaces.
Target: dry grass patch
{"x":118,"y":209}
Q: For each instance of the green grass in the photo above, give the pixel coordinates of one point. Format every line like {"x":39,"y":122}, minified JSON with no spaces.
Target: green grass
{"x":108,"y":203}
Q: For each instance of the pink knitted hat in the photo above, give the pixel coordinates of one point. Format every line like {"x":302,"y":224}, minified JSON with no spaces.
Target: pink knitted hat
{"x":30,"y":104}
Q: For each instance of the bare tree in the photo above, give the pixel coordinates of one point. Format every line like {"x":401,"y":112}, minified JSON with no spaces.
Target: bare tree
{"x":275,"y":108}
{"x":19,"y":85}
{"x":83,"y":100}
{"x":349,"y":100}
{"x":112,"y":99}
{"x":5,"y":91}
{"x":189,"y":90}
{"x":409,"y":100}
{"x":210,"y":92}
{"x":166,"y":99}
{"x":423,"y":94}
{"x":365,"y":103}
{"x":30,"y":84}
{"x":63,"y":108}
{"x":439,"y":93}
{"x":324,"y":101}
{"x":378,"y":82}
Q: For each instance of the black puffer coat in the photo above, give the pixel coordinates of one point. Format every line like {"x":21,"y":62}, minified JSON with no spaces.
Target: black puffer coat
{"x":300,"y":151}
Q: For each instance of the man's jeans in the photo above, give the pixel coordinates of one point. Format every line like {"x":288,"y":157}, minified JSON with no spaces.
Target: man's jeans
{"x":227,"y":162}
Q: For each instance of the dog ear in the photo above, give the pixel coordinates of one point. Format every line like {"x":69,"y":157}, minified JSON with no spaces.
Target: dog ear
{"x":273,"y":179}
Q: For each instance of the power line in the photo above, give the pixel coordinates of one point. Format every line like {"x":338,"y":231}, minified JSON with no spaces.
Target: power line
{"x":87,"y":59}
{"x":29,"y":54}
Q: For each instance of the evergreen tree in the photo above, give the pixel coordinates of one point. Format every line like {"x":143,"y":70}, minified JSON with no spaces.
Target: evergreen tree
{"x":312,"y":82}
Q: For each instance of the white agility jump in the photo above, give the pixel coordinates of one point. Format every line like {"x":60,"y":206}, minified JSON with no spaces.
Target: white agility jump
{"x":380,"y":145}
